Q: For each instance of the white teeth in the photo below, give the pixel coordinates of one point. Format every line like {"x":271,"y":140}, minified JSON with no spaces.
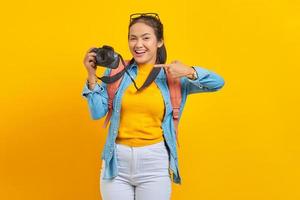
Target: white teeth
{"x":140,"y":51}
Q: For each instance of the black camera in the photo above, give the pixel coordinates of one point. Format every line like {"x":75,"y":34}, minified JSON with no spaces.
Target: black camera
{"x":106,"y":57}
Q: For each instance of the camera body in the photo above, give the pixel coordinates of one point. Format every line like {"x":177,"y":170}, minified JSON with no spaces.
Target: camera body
{"x":106,"y":57}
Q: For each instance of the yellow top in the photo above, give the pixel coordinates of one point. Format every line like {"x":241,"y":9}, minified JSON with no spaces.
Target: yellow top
{"x":141,"y":113}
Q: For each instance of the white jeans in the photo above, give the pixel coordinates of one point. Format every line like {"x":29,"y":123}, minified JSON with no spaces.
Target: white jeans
{"x":143,"y":174}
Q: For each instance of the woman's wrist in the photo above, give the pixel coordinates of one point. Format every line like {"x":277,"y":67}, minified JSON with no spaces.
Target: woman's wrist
{"x":190,"y":74}
{"x":92,"y":77}
{"x":91,"y":81}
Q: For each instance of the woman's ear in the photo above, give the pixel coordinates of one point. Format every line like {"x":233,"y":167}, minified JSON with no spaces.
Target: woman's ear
{"x":160,"y":44}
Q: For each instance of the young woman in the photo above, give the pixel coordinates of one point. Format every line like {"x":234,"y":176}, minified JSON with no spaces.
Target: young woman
{"x":139,"y":160}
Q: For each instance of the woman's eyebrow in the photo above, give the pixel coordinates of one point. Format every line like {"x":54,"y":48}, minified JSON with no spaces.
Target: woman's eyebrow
{"x":141,"y":35}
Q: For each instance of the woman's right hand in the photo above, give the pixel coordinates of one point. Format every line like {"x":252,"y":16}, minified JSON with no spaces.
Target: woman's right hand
{"x":90,"y":62}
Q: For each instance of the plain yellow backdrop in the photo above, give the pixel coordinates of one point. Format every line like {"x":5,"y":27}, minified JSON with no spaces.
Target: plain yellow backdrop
{"x":246,"y":145}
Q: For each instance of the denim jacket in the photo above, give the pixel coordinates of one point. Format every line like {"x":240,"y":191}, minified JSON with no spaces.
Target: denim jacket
{"x":97,"y":99}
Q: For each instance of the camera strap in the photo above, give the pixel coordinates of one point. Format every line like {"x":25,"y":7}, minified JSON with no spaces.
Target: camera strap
{"x":111,"y":79}
{"x":151,"y":77}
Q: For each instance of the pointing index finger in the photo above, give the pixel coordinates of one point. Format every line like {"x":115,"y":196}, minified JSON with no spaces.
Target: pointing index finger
{"x":161,"y":65}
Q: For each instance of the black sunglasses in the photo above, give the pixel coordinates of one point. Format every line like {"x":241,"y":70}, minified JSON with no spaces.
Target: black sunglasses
{"x":136,"y":15}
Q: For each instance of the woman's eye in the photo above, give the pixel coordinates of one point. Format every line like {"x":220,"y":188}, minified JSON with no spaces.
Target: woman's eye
{"x":146,"y":38}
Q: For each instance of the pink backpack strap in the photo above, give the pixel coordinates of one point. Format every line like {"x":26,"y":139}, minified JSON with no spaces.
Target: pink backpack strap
{"x":111,"y":91}
{"x":175,"y":94}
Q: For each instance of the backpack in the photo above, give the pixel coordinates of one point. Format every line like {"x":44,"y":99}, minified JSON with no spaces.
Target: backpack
{"x":174,"y":89}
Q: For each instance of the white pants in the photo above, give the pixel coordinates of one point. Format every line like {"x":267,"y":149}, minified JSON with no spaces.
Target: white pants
{"x":143,"y":174}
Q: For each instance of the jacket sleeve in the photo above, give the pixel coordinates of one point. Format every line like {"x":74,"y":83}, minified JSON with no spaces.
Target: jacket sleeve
{"x":97,"y":98}
{"x":207,"y":81}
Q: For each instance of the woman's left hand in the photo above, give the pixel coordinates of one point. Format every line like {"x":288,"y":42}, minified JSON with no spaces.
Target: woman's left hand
{"x":177,"y":69}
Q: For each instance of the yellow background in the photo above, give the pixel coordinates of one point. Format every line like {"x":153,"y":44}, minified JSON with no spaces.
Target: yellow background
{"x":241,"y":142}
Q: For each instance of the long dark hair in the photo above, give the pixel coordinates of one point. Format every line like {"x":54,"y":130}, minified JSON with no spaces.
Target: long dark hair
{"x":161,"y":56}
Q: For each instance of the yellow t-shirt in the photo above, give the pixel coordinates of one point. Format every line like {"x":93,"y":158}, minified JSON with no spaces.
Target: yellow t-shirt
{"x":142,"y":113}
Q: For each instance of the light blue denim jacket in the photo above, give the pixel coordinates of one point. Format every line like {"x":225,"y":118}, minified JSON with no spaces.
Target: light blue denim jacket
{"x":97,"y":99}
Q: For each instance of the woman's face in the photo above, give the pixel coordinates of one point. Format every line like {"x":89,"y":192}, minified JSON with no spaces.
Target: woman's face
{"x":143,"y":43}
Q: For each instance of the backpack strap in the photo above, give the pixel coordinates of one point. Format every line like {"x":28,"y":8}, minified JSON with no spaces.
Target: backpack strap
{"x":175,"y":95}
{"x":112,"y":89}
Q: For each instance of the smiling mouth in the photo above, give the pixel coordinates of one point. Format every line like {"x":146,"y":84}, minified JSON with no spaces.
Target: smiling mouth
{"x":139,"y":53}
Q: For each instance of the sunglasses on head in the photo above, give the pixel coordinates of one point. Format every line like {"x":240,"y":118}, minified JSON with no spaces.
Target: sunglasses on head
{"x":136,"y":15}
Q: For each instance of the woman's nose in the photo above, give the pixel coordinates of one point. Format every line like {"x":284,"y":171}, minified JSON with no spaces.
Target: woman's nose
{"x":139,"y":43}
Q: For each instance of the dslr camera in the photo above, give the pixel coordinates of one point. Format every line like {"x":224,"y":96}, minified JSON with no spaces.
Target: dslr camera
{"x":106,"y":57}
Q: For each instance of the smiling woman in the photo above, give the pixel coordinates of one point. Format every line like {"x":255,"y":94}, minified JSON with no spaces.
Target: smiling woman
{"x":140,"y":156}
{"x":143,"y":46}
{"x":145,"y":39}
